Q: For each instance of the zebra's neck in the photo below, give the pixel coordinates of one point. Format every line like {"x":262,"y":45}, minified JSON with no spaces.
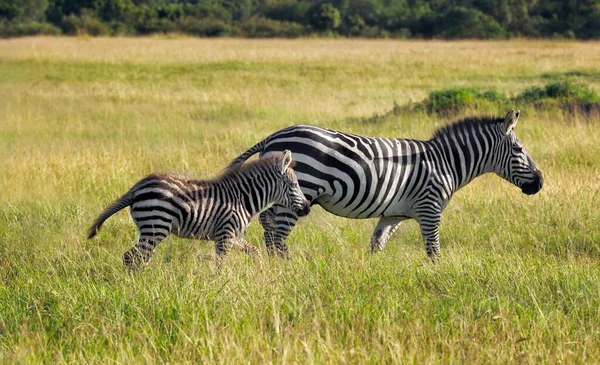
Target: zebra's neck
{"x":253,"y":188}
{"x":465,"y":154}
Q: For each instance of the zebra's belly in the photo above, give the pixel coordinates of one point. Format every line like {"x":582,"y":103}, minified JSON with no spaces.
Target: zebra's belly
{"x":372,"y":209}
{"x":197,"y":236}
{"x":194,"y":230}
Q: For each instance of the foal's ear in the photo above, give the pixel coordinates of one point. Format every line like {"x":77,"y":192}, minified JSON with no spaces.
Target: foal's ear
{"x":286,"y":161}
{"x":510,"y":121}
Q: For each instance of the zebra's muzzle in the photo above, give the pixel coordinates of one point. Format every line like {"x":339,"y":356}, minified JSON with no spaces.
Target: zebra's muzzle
{"x":534,"y":186}
{"x":304,"y":211}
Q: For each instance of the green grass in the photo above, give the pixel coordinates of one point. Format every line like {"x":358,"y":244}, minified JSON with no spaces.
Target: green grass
{"x":82,"y":120}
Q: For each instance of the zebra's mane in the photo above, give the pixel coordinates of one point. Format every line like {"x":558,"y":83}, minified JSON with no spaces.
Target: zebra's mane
{"x":273,"y":159}
{"x":467,"y":124}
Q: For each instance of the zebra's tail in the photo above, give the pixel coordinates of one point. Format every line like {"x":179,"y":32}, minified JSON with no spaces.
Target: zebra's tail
{"x":124,"y":201}
{"x":246,"y":155}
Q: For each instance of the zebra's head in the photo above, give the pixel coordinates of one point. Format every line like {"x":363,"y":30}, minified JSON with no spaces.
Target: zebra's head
{"x":290,"y":194}
{"x":513,"y":162}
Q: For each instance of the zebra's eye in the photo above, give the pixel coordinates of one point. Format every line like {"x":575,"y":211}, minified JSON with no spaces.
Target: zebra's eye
{"x":518,"y":149}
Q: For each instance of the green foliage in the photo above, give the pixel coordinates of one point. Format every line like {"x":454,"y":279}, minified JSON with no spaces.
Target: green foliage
{"x":554,"y":94}
{"x":206,"y":27}
{"x":565,"y":91}
{"x":456,"y":99}
{"x":211,"y":11}
{"x":353,"y":25}
{"x":287,"y":10}
{"x":85,"y":24}
{"x":154,"y":25}
{"x":469,"y":23}
{"x":491,"y":19}
{"x":10,"y":10}
{"x":324,"y":17}
{"x":257,"y":27}
{"x":27,"y":28}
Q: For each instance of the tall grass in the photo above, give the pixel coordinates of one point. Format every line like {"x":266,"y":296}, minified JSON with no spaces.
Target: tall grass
{"x":84,"y":119}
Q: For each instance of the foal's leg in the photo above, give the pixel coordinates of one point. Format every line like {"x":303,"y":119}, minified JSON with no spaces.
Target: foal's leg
{"x":248,"y":249}
{"x":280,"y":222}
{"x":267,"y":220}
{"x":140,"y":254}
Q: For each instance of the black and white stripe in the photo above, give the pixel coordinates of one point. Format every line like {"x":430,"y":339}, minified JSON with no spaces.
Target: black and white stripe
{"x":394,"y":179}
{"x":219,"y":210}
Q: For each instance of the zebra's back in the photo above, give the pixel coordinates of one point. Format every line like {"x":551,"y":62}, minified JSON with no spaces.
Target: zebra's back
{"x":351,"y":175}
{"x":169,"y":203}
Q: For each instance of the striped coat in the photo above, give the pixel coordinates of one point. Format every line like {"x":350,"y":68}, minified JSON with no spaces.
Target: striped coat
{"x":219,"y":210}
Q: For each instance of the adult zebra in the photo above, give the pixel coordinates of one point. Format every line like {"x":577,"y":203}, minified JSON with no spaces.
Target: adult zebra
{"x":394,"y":179}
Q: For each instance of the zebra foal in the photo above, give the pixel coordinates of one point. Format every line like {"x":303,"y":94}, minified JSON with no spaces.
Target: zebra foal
{"x":395,"y":179}
{"x":219,"y":210}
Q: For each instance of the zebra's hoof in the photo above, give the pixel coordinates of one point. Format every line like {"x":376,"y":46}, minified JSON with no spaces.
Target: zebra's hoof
{"x":252,"y":251}
{"x":271,"y":252}
{"x":133,"y":260}
{"x":376,"y":249}
{"x":434,"y":258}
{"x":284,"y":254}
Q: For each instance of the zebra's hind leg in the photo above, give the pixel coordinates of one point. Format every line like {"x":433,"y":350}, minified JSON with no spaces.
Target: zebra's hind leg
{"x":141,"y":253}
{"x":384,"y":230}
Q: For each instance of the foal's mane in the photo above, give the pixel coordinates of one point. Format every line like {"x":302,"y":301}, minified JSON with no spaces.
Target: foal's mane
{"x":273,"y":159}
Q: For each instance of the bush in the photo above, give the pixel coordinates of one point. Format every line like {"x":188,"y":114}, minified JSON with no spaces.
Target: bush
{"x":450,"y":100}
{"x":469,"y":23}
{"x":287,"y":10}
{"x":324,"y":17}
{"x":563,"y":94}
{"x":292,"y":30}
{"x":85,"y":24}
{"x":453,"y":100}
{"x":571,"y":91}
{"x":266,"y":28}
{"x":353,"y":25}
{"x":402,"y":33}
{"x":206,"y":27}
{"x":157,"y":26}
{"x":372,"y":32}
{"x":560,"y":92}
{"x":120,"y":28}
{"x":210,"y":11}
{"x":27,"y":29}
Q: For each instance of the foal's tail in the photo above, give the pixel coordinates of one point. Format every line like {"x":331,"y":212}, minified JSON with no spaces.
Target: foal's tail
{"x":123,"y":202}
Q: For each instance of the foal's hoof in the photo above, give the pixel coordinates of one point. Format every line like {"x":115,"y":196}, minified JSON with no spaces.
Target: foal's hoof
{"x":133,"y":260}
{"x":434,"y":258}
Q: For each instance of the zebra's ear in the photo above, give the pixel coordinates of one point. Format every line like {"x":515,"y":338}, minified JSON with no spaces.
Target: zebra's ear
{"x":286,"y":161}
{"x":510,"y":121}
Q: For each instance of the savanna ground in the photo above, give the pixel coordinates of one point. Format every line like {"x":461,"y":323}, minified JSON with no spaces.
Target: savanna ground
{"x":83,"y":119}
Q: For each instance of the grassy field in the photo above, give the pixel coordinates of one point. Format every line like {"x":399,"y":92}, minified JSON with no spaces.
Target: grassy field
{"x":81,"y":120}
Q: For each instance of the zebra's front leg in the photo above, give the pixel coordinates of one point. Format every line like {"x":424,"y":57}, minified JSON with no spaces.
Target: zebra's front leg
{"x":267,"y":220}
{"x":430,"y":230}
{"x":384,"y":230}
{"x":222,"y":244}
{"x":281,"y":221}
{"x":247,"y":248}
